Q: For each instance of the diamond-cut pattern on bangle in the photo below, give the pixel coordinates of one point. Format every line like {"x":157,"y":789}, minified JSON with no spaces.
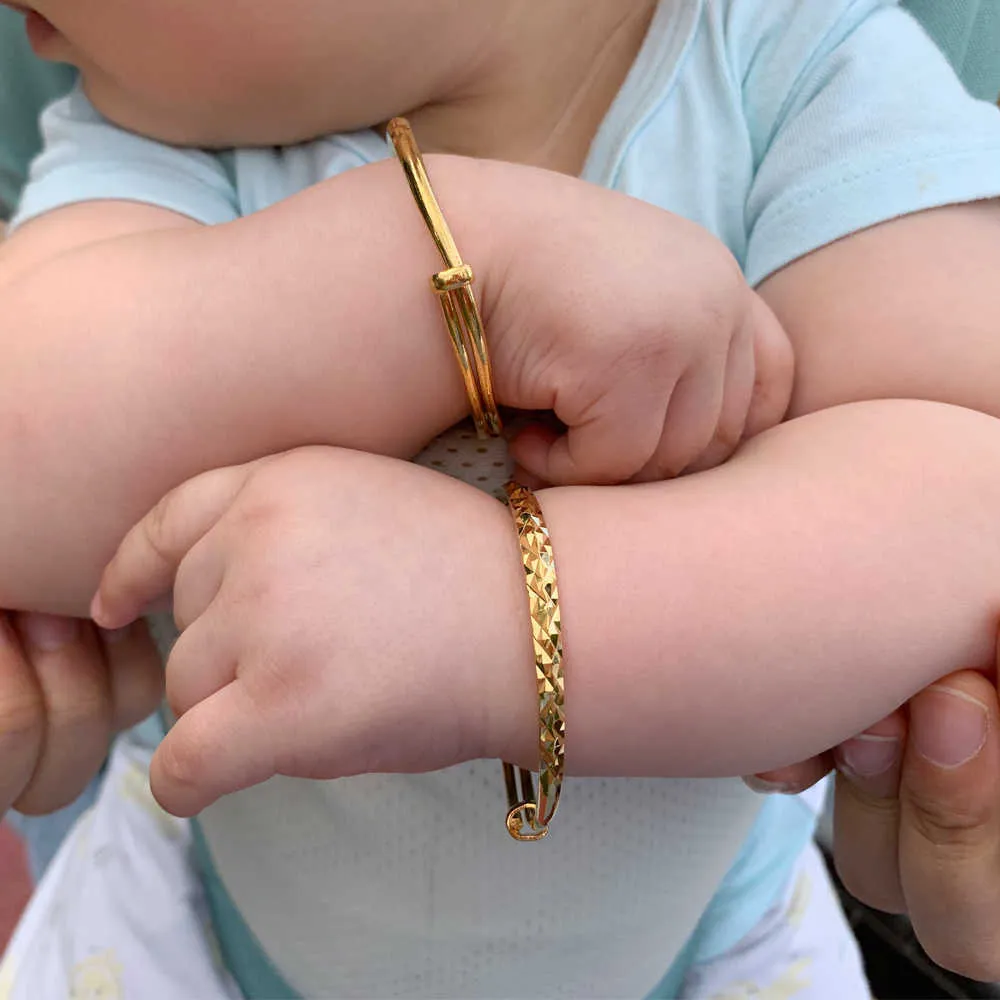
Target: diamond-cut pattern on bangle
{"x":546,"y":634}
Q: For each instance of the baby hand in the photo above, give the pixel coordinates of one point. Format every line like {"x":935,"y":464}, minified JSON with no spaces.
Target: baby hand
{"x":342,"y":614}
{"x":637,"y":329}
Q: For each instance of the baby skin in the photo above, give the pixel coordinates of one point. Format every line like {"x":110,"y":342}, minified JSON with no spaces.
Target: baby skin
{"x":843,"y":560}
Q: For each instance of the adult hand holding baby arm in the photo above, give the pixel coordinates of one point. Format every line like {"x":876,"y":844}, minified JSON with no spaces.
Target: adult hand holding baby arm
{"x":924,"y":837}
{"x":917,"y":825}
{"x":883,"y":313}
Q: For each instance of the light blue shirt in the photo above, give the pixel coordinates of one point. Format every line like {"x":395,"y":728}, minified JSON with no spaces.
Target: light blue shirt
{"x":778,"y":125}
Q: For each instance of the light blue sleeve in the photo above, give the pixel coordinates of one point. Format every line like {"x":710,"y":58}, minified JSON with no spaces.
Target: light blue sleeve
{"x":86,"y":158}
{"x":855,"y":117}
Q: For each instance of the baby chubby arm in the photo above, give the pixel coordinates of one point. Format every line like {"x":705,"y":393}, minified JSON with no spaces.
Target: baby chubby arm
{"x":764,"y":611}
{"x":144,"y":349}
{"x":905,"y":310}
{"x":141,"y":348}
{"x":726,"y":622}
{"x":843,"y":561}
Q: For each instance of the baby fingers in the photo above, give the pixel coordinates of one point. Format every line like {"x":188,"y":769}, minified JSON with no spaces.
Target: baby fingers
{"x":216,"y":748}
{"x":147,"y":561}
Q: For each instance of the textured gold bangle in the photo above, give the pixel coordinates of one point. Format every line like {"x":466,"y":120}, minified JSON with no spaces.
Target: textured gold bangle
{"x":453,"y":287}
{"x":528,"y":817}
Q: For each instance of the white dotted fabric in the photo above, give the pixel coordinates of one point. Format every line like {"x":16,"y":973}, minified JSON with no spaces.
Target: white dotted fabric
{"x":409,"y":885}
{"x":459,"y":453}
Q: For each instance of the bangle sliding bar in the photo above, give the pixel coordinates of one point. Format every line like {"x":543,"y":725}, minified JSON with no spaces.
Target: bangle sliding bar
{"x":528,"y":817}
{"x":453,"y":286}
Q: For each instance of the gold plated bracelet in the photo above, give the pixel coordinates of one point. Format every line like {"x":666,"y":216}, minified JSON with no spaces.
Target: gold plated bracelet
{"x":453,"y":287}
{"x":528,"y":817}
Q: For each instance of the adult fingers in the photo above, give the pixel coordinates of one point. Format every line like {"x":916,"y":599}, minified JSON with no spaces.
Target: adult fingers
{"x":866,"y":814}
{"x":22,"y":717}
{"x":68,"y":663}
{"x":949,"y":839}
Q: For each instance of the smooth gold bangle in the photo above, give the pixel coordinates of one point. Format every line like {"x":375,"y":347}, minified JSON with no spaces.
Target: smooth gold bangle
{"x":453,"y":286}
{"x":528,"y":817}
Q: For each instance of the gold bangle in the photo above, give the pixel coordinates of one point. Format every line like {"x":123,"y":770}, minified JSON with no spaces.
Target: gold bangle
{"x":453,"y":287}
{"x":528,"y":817}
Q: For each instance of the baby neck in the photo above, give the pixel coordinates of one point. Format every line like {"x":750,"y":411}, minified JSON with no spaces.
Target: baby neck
{"x":540,"y":93}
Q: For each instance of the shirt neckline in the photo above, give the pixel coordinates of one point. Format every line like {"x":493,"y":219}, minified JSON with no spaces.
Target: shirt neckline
{"x":647,"y":85}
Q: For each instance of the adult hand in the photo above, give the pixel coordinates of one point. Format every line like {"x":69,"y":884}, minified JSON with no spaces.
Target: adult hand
{"x":65,"y":688}
{"x":917,"y":819}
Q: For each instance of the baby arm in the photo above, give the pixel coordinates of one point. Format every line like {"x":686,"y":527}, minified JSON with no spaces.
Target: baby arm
{"x":715,"y":625}
{"x":781,"y":603}
{"x":143,"y":349}
{"x":836,"y":566}
{"x":904,"y":310}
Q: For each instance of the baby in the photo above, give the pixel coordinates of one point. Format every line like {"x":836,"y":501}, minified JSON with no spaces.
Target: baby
{"x":302,"y":316}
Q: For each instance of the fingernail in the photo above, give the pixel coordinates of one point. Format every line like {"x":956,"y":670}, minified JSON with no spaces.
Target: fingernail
{"x":868,"y":755}
{"x":762,"y":787}
{"x":948,"y":727}
{"x":49,"y":632}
